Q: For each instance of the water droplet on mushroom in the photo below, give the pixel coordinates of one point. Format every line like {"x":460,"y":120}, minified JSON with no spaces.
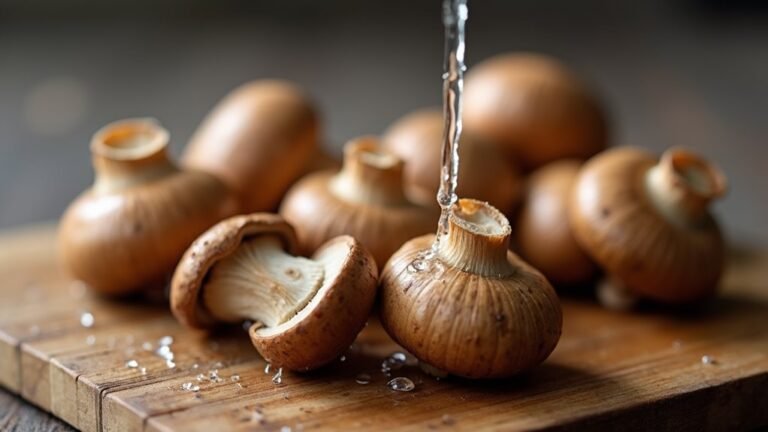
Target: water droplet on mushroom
{"x":447,"y":420}
{"x":417,"y":265}
{"x":402,"y":384}
{"x":147,"y":346}
{"x":235,"y":378}
{"x":213,"y":376}
{"x":143,"y":371}
{"x":188,"y":386}
{"x":86,"y":319}
{"x":363,"y":379}
{"x":170,"y":363}
{"x":195,"y":366}
{"x":165,"y":341}
{"x":267,"y":368}
{"x":132,"y":364}
{"x":343,"y":358}
{"x":286,"y":429}
{"x":278,"y":378}
{"x":247,"y":325}
{"x":708,"y":360}
{"x":90,"y":340}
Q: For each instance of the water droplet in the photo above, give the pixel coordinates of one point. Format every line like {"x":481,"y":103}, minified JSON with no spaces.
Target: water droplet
{"x":188,"y":386}
{"x":363,"y":379}
{"x":286,"y":429}
{"x":165,"y":352}
{"x":235,"y":378}
{"x":447,"y":420}
{"x":90,"y":340}
{"x":708,"y":360}
{"x":247,"y":325}
{"x":213,"y":376}
{"x":195,"y":366}
{"x":240,"y":386}
{"x":147,"y":346}
{"x":394,"y":362}
{"x":132,"y":364}
{"x":86,"y":319}
{"x":417,"y":265}
{"x":267,"y":368}
{"x":165,"y":341}
{"x":278,"y":378}
{"x":401,"y":384}
{"x":170,"y":363}
{"x":343,"y":358}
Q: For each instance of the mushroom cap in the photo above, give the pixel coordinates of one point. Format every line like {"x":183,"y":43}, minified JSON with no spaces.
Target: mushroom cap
{"x":544,"y":234}
{"x":534,"y":109}
{"x":319,"y":215}
{"x":617,"y":223}
{"x":258,"y":140}
{"x":466,"y":324}
{"x":328,"y":325}
{"x":218,"y":242}
{"x":417,"y":138}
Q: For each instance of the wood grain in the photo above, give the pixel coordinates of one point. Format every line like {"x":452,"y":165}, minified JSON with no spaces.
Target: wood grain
{"x":642,"y":370}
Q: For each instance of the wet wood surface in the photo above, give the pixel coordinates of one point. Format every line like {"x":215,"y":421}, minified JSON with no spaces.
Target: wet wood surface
{"x":637,"y":371}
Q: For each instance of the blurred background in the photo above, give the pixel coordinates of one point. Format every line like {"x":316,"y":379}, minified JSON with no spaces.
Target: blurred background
{"x":673,"y":73}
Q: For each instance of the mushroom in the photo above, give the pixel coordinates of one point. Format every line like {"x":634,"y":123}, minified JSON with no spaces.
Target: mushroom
{"x":471,"y":308}
{"x":306,"y":311}
{"x":646,"y":222}
{"x":544,"y":234}
{"x":534,"y":109}
{"x":417,"y":139}
{"x":127,"y":232}
{"x":258,"y":140}
{"x":365,"y":200}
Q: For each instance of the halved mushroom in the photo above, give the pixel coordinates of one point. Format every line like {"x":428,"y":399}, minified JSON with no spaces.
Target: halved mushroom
{"x":306,"y":311}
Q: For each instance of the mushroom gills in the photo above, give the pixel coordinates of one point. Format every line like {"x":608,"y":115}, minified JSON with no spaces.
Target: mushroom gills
{"x":262,"y":283}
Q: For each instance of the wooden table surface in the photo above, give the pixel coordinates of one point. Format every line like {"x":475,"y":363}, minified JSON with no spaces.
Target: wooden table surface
{"x":636,"y":370}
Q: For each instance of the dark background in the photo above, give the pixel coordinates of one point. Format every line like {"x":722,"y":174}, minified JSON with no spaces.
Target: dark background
{"x":680,"y":73}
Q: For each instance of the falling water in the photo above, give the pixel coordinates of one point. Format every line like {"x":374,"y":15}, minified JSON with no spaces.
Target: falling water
{"x":454,"y":19}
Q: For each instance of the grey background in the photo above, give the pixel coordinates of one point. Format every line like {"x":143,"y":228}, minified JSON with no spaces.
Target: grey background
{"x":672,"y":73}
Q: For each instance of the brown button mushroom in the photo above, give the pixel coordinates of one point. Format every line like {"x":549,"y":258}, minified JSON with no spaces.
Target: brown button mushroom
{"x":472,"y":308}
{"x":543,"y":231}
{"x":365,"y":200}
{"x":417,"y":139}
{"x":534,"y":109}
{"x":646,"y":222}
{"x":258,"y":140}
{"x":306,"y":311}
{"x":127,"y":232}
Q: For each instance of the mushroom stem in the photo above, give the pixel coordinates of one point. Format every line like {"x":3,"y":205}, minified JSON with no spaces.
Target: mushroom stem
{"x":682,"y":184}
{"x":477,"y":240}
{"x":262,"y":283}
{"x":128,"y":153}
{"x":370,"y":175}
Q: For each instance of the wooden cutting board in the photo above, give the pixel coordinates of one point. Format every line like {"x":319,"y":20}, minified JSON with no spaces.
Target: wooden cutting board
{"x":611,"y":370}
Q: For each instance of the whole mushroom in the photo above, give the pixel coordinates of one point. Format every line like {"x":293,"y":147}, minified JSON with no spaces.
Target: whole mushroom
{"x":534,"y":109}
{"x":646,"y":222}
{"x":306,"y":311}
{"x":365,"y":199}
{"x":127,"y":232}
{"x":544,"y":235}
{"x":471,"y":308}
